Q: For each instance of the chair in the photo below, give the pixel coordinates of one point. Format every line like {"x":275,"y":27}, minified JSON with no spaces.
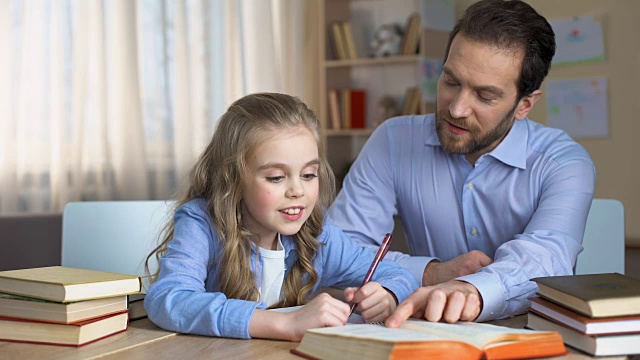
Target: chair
{"x":113,"y":236}
{"x":30,"y":240}
{"x":603,"y":240}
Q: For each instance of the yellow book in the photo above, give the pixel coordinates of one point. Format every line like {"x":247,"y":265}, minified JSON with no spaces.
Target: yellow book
{"x":349,"y":42}
{"x":334,"y":109}
{"x":65,"y":313}
{"x":76,"y":334}
{"x":66,"y":284}
{"x":346,"y":108}
{"x":338,"y":40}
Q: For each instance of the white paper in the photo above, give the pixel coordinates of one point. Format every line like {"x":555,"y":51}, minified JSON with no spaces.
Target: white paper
{"x":579,"y":106}
{"x":578,"y":40}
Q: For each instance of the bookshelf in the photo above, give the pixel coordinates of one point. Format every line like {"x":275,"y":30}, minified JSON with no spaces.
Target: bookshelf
{"x":375,"y":76}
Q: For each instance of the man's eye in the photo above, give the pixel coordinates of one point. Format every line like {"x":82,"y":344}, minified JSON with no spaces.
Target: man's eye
{"x":275,"y":179}
{"x":448,"y":81}
{"x":485,"y":98}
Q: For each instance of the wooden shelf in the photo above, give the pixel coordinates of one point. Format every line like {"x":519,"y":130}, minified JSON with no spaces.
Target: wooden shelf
{"x":375,"y":76}
{"x":399,"y":59}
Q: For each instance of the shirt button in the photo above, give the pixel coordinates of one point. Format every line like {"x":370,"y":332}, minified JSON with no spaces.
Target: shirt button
{"x":470,"y":186}
{"x":474,"y":231}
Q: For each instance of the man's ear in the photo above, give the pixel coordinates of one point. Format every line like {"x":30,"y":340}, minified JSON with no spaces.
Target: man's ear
{"x":526,"y":104}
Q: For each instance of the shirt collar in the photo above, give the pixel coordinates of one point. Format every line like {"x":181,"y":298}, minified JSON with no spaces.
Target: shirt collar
{"x":289,"y":243}
{"x":512,"y":150}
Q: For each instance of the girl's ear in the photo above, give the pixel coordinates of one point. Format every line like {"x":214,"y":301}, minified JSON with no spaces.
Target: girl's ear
{"x":526,"y":104}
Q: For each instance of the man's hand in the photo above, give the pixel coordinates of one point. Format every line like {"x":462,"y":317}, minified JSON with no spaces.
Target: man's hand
{"x":451,"y":301}
{"x":439,"y":272}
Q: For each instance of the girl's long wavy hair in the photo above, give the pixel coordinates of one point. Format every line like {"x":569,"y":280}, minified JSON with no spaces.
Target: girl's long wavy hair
{"x":219,"y":177}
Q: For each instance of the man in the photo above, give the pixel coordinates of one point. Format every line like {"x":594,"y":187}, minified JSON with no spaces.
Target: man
{"x":488,"y":199}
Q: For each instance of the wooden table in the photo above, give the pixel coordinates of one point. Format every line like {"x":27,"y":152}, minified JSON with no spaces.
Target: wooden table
{"x":144,"y":340}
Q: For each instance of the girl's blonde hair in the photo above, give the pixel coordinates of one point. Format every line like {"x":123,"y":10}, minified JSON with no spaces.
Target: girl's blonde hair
{"x":219,"y":175}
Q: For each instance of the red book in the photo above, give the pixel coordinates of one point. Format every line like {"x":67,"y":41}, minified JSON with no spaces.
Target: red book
{"x":582,"y":323}
{"x":358,"y":109}
{"x":76,"y":334}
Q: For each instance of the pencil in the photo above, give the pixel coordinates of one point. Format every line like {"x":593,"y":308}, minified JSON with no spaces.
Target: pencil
{"x":382,"y":251}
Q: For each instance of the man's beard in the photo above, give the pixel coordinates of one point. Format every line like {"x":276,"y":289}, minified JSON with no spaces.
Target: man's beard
{"x":478,"y":141}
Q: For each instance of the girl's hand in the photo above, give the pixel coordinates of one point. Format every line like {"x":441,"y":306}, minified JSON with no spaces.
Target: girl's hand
{"x":322,"y":311}
{"x":375,"y":303}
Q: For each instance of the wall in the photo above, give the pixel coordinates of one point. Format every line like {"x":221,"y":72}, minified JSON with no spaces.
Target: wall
{"x":616,"y":163}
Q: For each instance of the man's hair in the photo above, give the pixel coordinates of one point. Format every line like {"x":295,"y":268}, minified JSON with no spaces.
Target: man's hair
{"x":513,"y":26}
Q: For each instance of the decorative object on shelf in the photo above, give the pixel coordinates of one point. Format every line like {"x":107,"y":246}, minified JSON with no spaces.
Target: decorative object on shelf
{"x":386,"y":108}
{"x":387,"y":41}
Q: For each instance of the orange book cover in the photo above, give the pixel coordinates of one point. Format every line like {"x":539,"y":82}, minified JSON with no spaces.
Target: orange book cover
{"x":418,"y":339}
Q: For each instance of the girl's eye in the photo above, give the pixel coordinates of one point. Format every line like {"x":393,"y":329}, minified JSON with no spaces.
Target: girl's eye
{"x":275,"y":179}
{"x":309,"y":176}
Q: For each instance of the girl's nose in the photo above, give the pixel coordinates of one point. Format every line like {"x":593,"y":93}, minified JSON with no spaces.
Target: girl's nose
{"x":295,"y":189}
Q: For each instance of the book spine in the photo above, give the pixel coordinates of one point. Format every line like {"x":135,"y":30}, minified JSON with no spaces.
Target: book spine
{"x":358,"y":109}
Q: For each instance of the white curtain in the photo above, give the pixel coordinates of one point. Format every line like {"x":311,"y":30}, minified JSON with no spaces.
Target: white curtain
{"x":115,"y":99}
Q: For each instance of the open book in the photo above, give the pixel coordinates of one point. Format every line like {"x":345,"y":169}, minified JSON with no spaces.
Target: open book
{"x":423,"y":339}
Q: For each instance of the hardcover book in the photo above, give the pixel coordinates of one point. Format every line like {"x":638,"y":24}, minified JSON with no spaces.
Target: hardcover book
{"x":66,"y":284}
{"x":358,"y":109}
{"x":584,"y":324}
{"x":76,"y":334}
{"x":417,"y":339}
{"x":43,"y":310}
{"x":601,"y":345}
{"x":136,"y":307}
{"x":594,"y":295}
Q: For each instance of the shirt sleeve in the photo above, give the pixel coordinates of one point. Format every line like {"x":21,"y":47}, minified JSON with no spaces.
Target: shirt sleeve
{"x":548,"y":246}
{"x":345,"y":263}
{"x":365,"y":207}
{"x":178,"y":301}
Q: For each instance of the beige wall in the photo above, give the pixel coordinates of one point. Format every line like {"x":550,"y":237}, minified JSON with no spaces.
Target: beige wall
{"x":614,"y":157}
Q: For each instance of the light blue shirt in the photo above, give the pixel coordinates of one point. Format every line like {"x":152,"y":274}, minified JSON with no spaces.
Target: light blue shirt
{"x":186,"y":297}
{"x":524,"y":204}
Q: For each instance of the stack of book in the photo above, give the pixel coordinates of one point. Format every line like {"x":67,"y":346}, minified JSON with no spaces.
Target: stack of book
{"x":63,"y":306}
{"x":597,"y":313}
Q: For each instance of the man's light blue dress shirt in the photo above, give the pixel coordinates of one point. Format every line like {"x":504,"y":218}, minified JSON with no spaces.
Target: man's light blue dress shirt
{"x":524,"y":204}
{"x":186,"y":297}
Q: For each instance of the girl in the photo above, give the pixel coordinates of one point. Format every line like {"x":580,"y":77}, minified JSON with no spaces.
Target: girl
{"x":250,"y":234}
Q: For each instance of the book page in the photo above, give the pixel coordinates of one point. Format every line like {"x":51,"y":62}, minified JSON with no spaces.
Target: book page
{"x":376,"y":332}
{"x":478,"y":335}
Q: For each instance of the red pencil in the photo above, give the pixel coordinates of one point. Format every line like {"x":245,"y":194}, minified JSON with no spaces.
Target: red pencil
{"x":382,"y":251}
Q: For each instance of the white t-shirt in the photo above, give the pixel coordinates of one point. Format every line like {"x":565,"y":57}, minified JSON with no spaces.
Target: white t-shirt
{"x":272,"y":274}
